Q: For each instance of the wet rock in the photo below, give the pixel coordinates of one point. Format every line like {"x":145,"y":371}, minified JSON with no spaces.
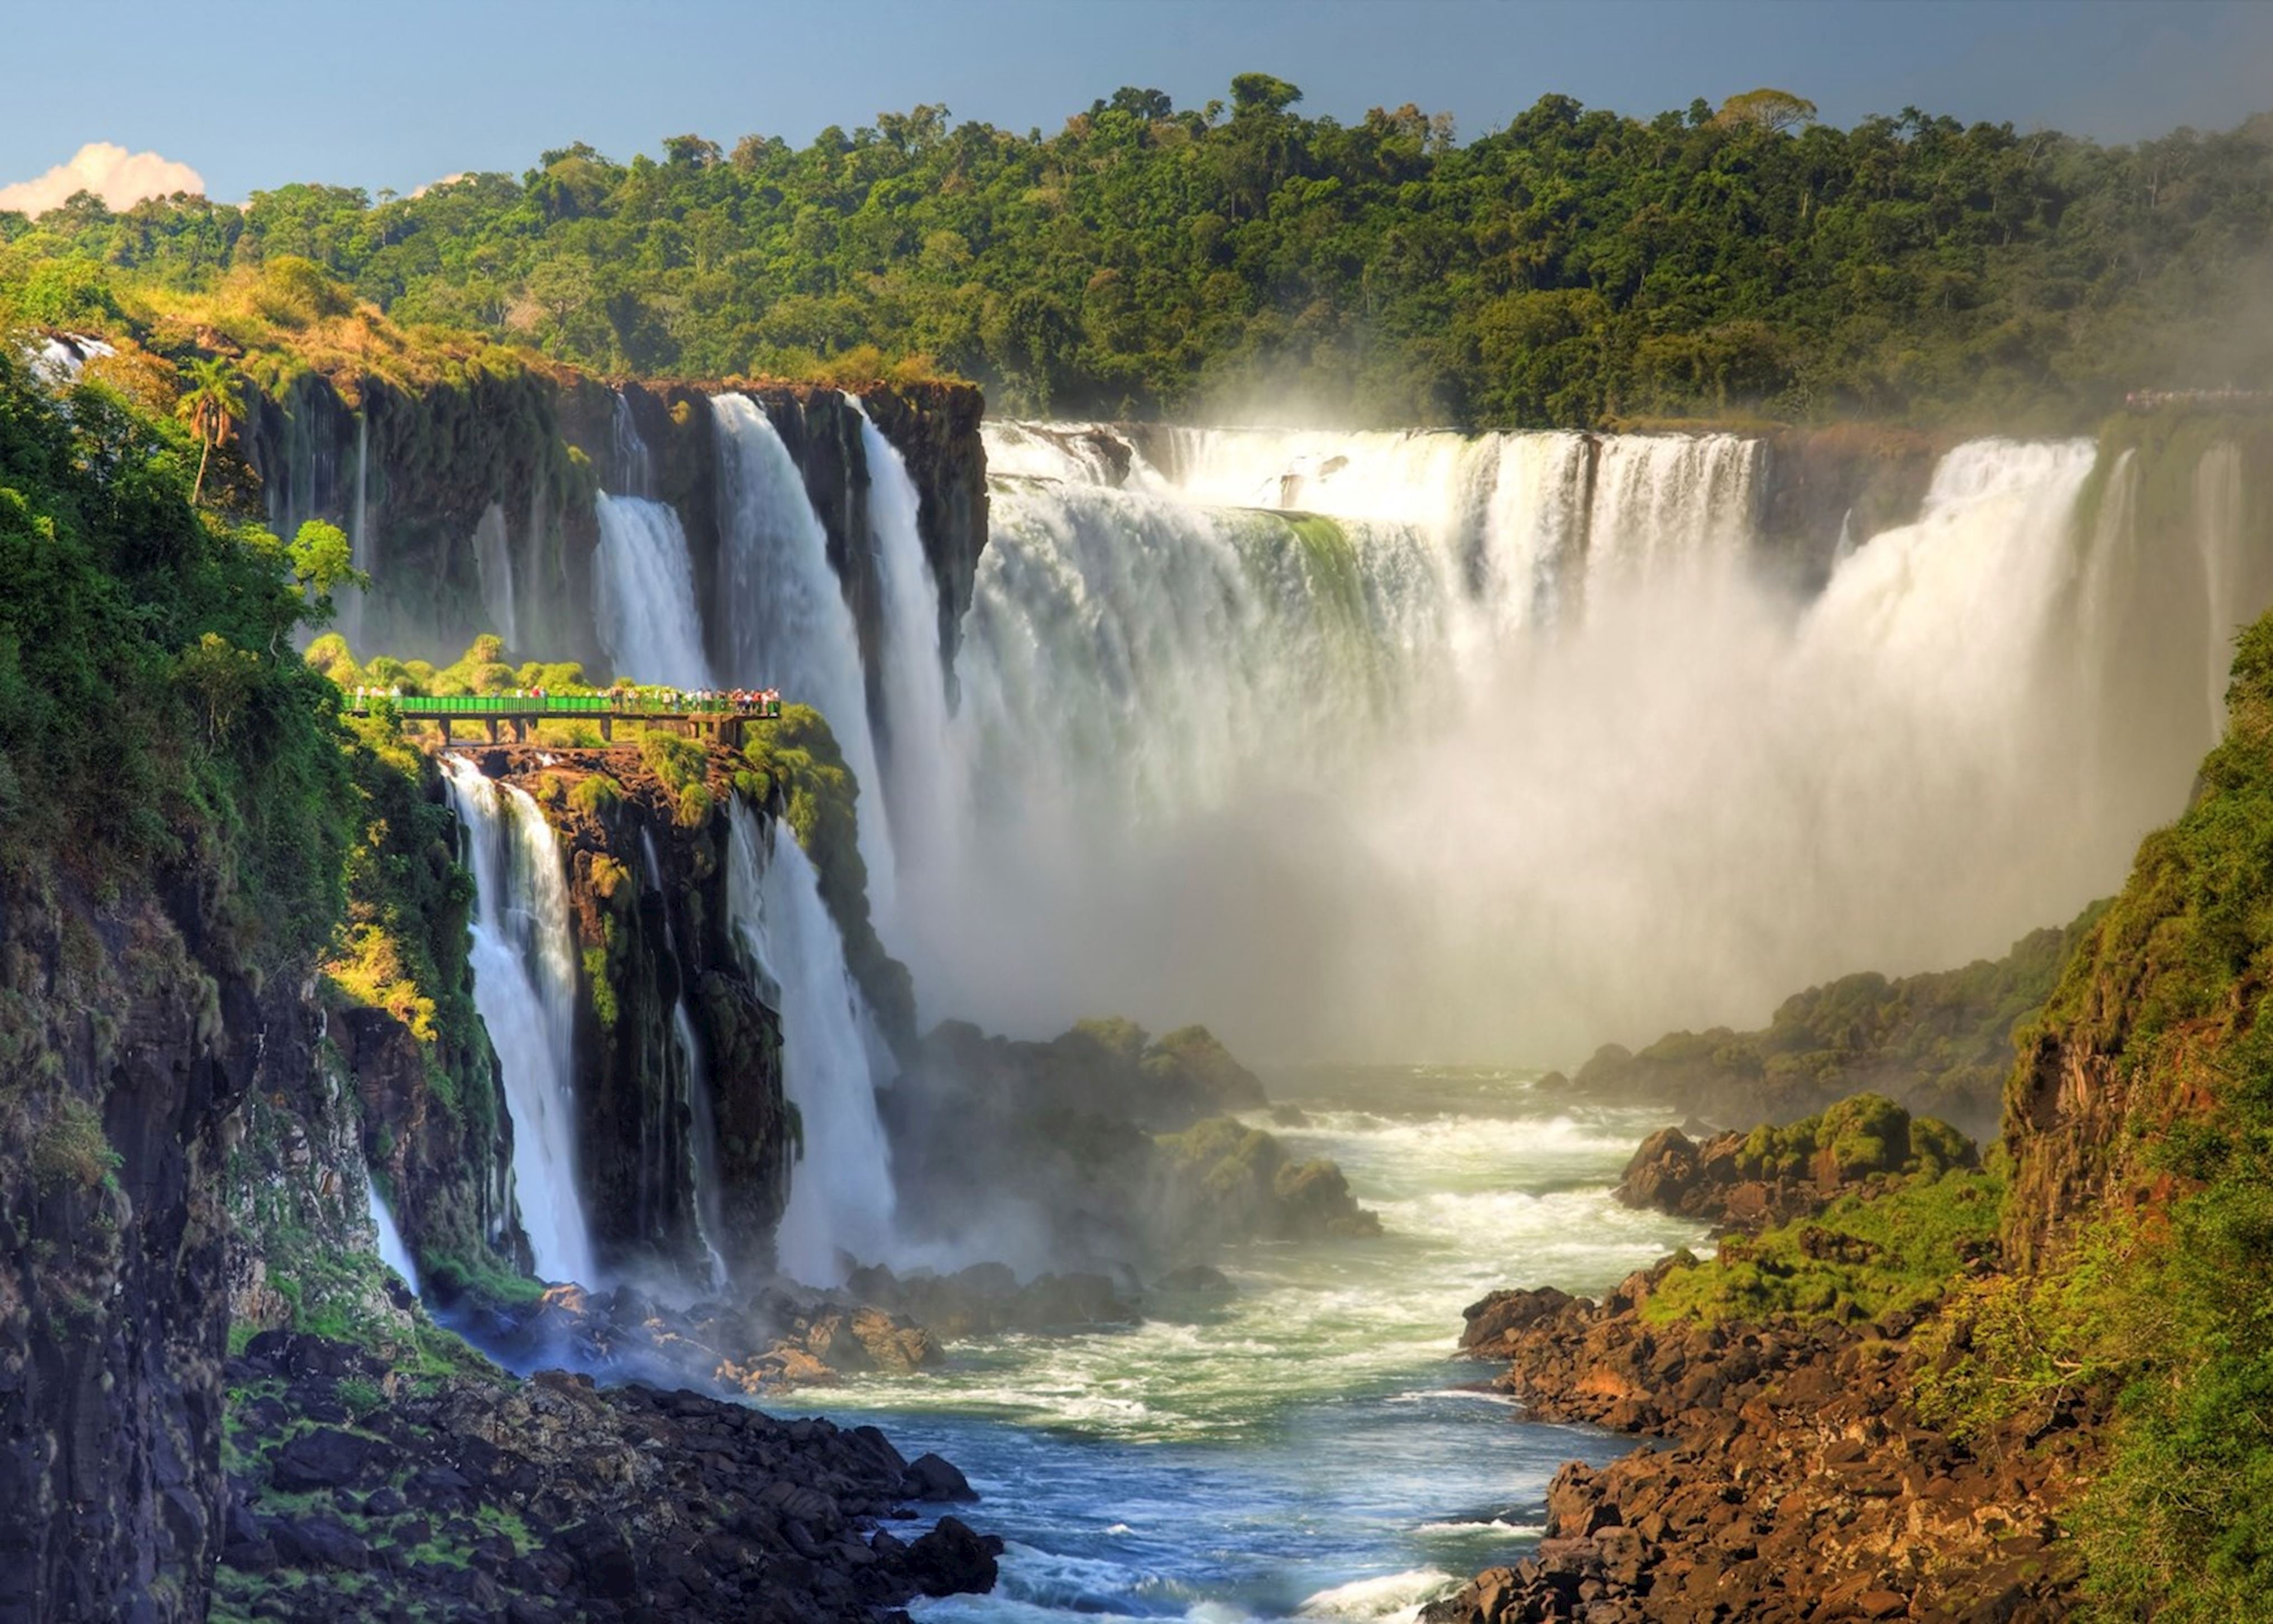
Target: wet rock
{"x":327,"y":1458}
{"x":1195,"y":1280}
{"x":933,"y":1479}
{"x":628,"y":1502}
{"x":952,"y":1561}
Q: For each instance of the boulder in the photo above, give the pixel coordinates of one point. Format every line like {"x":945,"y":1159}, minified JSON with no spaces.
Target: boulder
{"x":952,"y":1561}
{"x":1660,"y":1173}
{"x":327,"y":1458}
{"x":931,"y":1478}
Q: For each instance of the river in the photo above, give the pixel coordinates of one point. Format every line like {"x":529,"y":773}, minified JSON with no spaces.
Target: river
{"x":1307,"y":1449}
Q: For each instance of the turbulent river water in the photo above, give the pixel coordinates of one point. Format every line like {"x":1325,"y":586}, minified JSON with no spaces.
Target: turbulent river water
{"x":1307,"y":1449}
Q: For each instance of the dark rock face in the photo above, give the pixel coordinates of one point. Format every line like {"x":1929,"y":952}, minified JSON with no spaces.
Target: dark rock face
{"x":463,"y":488}
{"x":648,"y":897}
{"x":550,"y":1500}
{"x":1797,"y":1482}
{"x":132,"y":1037}
{"x":1859,"y":478}
{"x":456,"y":485}
{"x":444,"y":1163}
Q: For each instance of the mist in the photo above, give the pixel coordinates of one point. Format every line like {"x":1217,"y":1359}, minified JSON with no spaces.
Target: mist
{"x":1522,"y":751}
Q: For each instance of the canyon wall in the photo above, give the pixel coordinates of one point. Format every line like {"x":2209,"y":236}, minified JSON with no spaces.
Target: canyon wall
{"x":470,"y":501}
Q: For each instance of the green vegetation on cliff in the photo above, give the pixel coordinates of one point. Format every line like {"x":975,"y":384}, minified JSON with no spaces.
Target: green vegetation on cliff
{"x":1890,"y":1249}
{"x":2141,"y":1120}
{"x":153,"y":716}
{"x":1569,"y":267}
{"x":1940,"y":1042}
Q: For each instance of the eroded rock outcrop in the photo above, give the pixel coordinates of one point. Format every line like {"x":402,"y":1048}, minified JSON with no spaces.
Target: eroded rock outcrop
{"x":133,"y":1035}
{"x":467,"y":1497}
{"x":1772,"y":1175}
{"x":1798,"y":1481}
{"x":647,"y":868}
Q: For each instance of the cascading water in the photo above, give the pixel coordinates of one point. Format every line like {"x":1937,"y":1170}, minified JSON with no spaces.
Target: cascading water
{"x":524,"y":964}
{"x":702,"y":1140}
{"x":634,"y":467}
{"x":791,"y":630}
{"x":493,"y":561}
{"x":841,"y":1198}
{"x":919,"y":780}
{"x":359,"y":544}
{"x":2217,"y":516}
{"x":1396,"y":744}
{"x":391,"y":1252}
{"x":643,"y":594}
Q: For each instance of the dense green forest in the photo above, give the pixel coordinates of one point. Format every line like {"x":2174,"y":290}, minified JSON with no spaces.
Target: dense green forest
{"x":1574,"y":267}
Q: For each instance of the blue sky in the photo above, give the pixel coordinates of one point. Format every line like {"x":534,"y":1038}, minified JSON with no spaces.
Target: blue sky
{"x":252,"y":95}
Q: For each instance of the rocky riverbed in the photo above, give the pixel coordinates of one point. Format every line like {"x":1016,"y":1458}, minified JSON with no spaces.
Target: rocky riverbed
{"x":1789,"y":1476}
{"x":357,"y":1490}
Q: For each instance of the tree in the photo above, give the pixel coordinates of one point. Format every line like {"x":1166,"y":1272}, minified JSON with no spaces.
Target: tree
{"x":1261,"y":93}
{"x":211,"y":406}
{"x":1772,"y":111}
{"x":221,"y":675}
{"x":322,"y":561}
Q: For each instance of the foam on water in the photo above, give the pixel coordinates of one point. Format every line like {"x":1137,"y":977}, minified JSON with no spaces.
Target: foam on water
{"x":1304,"y":1449}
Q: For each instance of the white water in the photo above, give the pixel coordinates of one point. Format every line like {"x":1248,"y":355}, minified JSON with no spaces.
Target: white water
{"x":702,"y":1138}
{"x":493,"y":561}
{"x":919,"y":781}
{"x":643,"y":594}
{"x":524,"y":964}
{"x":391,"y":1252}
{"x":790,"y":628}
{"x":635,"y":466}
{"x":841,"y":1199}
{"x":1508,"y":752}
{"x":2217,"y":515}
{"x":1304,"y":1448}
{"x":349,"y":598}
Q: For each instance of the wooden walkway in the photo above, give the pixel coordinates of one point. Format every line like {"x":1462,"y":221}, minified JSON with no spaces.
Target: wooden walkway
{"x":491,"y":717}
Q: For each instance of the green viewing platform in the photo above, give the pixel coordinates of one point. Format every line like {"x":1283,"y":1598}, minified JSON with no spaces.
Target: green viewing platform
{"x":720,"y":714}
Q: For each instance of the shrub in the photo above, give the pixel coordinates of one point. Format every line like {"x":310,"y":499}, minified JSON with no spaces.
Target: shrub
{"x":71,"y":1147}
{"x":595,"y":794}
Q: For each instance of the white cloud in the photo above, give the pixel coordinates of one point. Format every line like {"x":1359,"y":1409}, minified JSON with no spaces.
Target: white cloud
{"x":119,"y":178}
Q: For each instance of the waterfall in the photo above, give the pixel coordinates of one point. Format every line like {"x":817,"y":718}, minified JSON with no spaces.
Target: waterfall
{"x":391,"y":1252}
{"x":359,"y":547}
{"x":493,"y":561}
{"x":792,"y":629}
{"x":1424,"y":744}
{"x":841,"y":1197}
{"x":524,"y":964}
{"x":643,"y":594}
{"x":2217,"y":521}
{"x":702,"y":1141}
{"x":635,"y":466}
{"x":918,"y":781}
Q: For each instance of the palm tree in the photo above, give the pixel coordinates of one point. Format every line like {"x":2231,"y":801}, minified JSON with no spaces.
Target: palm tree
{"x":211,"y":406}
